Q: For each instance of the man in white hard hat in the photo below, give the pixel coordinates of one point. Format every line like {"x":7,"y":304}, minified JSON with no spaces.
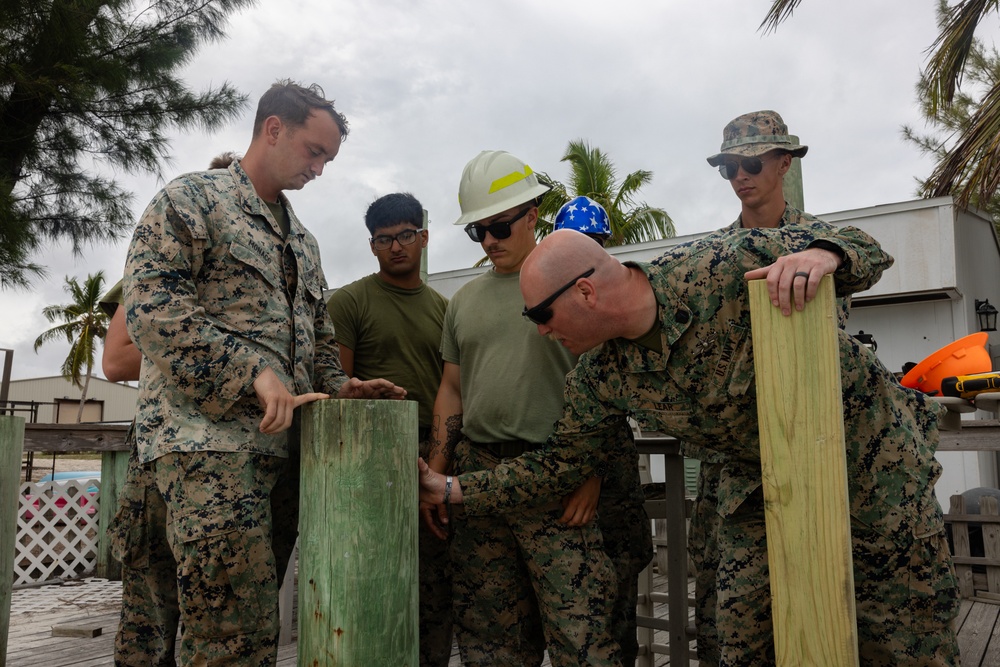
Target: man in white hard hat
{"x":537,"y":578}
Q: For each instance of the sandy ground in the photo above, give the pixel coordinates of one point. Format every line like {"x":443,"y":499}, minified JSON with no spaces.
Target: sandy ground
{"x":43,"y":465}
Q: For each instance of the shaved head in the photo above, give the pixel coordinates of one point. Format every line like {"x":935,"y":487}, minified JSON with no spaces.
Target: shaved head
{"x":582,"y":309}
{"x":559,"y":257}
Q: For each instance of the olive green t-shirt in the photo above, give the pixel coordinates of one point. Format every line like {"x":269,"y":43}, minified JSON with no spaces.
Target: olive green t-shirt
{"x":109,"y":302}
{"x":280,"y":216}
{"x":512,"y":377}
{"x":395,"y":334}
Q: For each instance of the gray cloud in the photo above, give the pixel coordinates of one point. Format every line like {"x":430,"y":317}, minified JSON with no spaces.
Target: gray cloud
{"x":427,"y":84}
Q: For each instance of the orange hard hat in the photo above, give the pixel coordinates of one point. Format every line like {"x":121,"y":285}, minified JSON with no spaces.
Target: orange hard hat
{"x":965,"y":356}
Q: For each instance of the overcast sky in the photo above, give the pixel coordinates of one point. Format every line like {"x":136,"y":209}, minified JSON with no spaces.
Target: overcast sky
{"x":427,"y":84}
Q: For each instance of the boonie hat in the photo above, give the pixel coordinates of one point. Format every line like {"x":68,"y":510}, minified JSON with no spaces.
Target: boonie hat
{"x":754,"y":134}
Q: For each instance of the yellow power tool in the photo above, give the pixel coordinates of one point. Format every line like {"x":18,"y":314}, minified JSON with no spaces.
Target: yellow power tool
{"x":970,"y":386}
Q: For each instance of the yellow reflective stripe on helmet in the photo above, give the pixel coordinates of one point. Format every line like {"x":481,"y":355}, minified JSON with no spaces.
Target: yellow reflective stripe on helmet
{"x":510,"y":179}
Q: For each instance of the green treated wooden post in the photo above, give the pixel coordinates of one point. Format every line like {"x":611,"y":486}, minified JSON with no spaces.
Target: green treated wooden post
{"x":114,"y":466}
{"x":358,"y":534}
{"x":11,"y":446}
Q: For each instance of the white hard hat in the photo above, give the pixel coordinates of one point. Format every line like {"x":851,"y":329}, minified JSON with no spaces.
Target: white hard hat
{"x":493,"y":182}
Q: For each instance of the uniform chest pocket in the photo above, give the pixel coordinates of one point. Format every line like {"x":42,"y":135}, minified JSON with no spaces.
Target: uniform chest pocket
{"x":248,"y":258}
{"x":314,"y":288}
{"x":714,"y":362}
{"x":668,"y":416}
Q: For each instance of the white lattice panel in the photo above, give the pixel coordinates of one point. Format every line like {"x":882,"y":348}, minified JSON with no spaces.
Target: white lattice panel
{"x":56,"y":530}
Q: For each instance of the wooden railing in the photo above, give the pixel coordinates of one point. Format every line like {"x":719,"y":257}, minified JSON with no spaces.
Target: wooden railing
{"x":61,"y":526}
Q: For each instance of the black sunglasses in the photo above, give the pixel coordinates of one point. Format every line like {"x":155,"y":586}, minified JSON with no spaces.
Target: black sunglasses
{"x":542,"y":313}
{"x":751,"y":165}
{"x":499,"y":230}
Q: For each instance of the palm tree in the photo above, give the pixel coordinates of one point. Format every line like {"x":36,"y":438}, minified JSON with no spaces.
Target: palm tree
{"x":82,"y":323}
{"x":982,"y":69}
{"x":592,"y":174}
{"x":970,"y":170}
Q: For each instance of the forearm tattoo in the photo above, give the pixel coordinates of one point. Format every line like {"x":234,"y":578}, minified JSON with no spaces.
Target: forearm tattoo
{"x":453,"y":427}
{"x":442,"y":442}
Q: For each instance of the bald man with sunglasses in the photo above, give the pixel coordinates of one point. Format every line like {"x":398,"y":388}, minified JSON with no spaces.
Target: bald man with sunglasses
{"x":668,"y":343}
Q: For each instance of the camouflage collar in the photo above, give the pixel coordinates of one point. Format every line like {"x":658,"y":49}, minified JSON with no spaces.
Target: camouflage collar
{"x":674,"y":319}
{"x":790,"y":216}
{"x":251,"y":202}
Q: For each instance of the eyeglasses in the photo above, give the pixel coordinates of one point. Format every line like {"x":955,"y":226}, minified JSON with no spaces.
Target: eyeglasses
{"x":405,"y":237}
{"x":751,"y":165}
{"x":498,"y":230}
{"x":542,"y":313}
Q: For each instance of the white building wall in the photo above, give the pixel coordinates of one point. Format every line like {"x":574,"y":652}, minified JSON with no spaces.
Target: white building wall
{"x":920,"y":235}
{"x":119,"y":399}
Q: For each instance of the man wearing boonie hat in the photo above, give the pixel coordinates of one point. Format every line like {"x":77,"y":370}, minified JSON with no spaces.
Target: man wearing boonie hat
{"x":755,"y":155}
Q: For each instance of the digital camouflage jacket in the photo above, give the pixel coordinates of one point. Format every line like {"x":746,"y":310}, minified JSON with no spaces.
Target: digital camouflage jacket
{"x":213,"y":296}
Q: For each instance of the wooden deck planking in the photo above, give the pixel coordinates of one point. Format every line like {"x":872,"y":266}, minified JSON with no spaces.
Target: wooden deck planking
{"x":31,"y":644}
{"x":977,"y":630}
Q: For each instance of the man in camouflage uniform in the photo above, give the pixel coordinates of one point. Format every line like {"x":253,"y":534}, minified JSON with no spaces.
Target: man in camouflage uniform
{"x":671,"y":347}
{"x":224,"y":298}
{"x":388,"y":324}
{"x":755,"y":155}
{"x":534,"y":578}
{"x":148,"y":627}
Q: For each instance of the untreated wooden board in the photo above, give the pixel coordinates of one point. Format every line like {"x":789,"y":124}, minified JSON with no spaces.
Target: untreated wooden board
{"x":78,"y":629}
{"x":75,"y":437}
{"x":974,"y":436}
{"x":960,"y":546}
{"x":991,"y":543}
{"x":804,"y":467}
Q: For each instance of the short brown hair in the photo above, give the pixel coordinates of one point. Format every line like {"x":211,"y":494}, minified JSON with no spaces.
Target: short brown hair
{"x":293,"y":103}
{"x":223,"y":160}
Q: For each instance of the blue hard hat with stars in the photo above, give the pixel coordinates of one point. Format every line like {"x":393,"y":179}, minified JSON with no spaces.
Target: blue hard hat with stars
{"x":583,"y":214}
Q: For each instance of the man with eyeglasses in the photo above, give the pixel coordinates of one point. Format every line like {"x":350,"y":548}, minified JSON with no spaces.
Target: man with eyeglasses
{"x":388,"y":325}
{"x":670,"y":346}
{"x":536,"y":577}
